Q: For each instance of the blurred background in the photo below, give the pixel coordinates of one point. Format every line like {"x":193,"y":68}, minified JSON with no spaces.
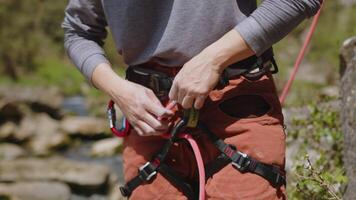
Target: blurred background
{"x":54,"y":138}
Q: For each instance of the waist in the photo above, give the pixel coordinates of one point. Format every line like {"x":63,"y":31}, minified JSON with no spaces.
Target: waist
{"x":154,"y":66}
{"x":159,"y":77}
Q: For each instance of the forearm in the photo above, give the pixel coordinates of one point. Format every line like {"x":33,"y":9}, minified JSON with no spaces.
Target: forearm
{"x":227,"y":50}
{"x":273,"y":20}
{"x":84,"y":33}
{"x":107,"y":80}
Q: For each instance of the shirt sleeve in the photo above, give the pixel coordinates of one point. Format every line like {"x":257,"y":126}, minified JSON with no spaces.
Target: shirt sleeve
{"x":273,"y":20}
{"x":84,"y":32}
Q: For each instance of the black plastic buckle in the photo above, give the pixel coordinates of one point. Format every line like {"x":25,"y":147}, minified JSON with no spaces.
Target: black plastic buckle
{"x":279,"y":178}
{"x":154,"y":84}
{"x":275,"y":66}
{"x":147,"y":171}
{"x":124,"y":191}
{"x":224,"y":80}
{"x":242,"y":162}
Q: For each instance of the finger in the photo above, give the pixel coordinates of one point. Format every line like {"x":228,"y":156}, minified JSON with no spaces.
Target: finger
{"x":199,"y":102}
{"x":188,"y":102}
{"x":173,"y":95}
{"x":155,"y":107}
{"x":138,"y":131}
{"x":153,"y":122}
{"x":146,"y":129}
{"x":154,"y":98}
{"x":158,"y":110}
{"x":181,"y":95}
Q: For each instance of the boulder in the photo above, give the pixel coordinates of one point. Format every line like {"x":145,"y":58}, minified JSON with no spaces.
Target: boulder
{"x":89,"y":127}
{"x":11,"y":151}
{"x":114,"y":193}
{"x":82,"y":177}
{"x":348,"y":112}
{"x":7,"y":130}
{"x":35,"y":191}
{"x":40,"y":99}
{"x":42,"y":132}
{"x":44,"y":144}
{"x":106,"y":147}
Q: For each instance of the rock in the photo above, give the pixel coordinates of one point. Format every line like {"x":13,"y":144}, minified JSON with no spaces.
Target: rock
{"x":36,"y":124}
{"x":35,"y":191}
{"x":106,"y":147}
{"x":85,"y":126}
{"x":10,"y":151}
{"x":44,"y":144}
{"x":114,"y":193}
{"x":348,"y":112}
{"x":311,"y":74}
{"x":7,"y":130}
{"x":40,"y":99}
{"x":82,"y":177}
{"x":93,"y":197}
{"x":330,"y":91}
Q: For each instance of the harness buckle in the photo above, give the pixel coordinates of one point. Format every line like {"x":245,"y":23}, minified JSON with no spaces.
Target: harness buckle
{"x":154,"y":84}
{"x":279,"y":178}
{"x":124,"y":191}
{"x":242,"y":163}
{"x":147,"y":171}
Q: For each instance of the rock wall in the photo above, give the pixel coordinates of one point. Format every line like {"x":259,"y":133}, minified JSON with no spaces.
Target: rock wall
{"x":348,"y":112}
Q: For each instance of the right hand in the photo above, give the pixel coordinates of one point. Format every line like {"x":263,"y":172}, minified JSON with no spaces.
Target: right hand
{"x":142,"y":109}
{"x":139,"y":104}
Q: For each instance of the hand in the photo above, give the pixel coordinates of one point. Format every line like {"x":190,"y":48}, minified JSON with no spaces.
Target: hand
{"x":139,"y":104}
{"x":195,"y":80}
{"x":142,"y":109}
{"x":200,"y":75}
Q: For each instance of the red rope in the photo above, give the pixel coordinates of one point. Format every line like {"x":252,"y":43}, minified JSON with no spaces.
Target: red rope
{"x":300,"y":57}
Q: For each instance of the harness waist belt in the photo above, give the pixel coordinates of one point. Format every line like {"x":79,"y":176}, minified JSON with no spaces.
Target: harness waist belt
{"x":253,"y":68}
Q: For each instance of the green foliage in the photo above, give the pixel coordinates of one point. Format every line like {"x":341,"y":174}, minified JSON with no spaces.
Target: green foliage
{"x":323,"y":176}
{"x":30,"y":30}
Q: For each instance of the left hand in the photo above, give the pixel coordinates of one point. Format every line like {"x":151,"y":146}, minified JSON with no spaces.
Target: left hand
{"x":195,"y":80}
{"x":200,"y":75}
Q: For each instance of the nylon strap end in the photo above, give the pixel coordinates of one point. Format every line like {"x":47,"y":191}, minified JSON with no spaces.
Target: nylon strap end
{"x":192,"y":116}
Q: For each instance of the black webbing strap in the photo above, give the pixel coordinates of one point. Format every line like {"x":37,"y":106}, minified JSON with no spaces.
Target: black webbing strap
{"x":187,"y":189}
{"x":160,"y":83}
{"x":149,"y":170}
{"x":216,"y":165}
{"x":145,"y":173}
{"x":245,"y":163}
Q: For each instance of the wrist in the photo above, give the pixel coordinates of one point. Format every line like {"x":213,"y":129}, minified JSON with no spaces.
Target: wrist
{"x":107,"y":80}
{"x":218,"y":57}
{"x":228,"y":49}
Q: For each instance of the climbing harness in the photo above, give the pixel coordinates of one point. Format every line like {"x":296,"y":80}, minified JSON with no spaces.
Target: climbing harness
{"x":228,"y":154}
{"x":252,"y":68}
{"x":160,"y":83}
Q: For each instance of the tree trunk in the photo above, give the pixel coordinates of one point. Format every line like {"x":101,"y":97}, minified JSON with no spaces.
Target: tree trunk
{"x":348,"y":112}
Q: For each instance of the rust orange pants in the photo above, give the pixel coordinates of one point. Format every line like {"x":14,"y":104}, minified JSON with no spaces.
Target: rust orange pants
{"x":246,"y":114}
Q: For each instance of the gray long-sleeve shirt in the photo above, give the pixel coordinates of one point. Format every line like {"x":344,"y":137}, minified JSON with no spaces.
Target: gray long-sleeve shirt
{"x":170,"y":32}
